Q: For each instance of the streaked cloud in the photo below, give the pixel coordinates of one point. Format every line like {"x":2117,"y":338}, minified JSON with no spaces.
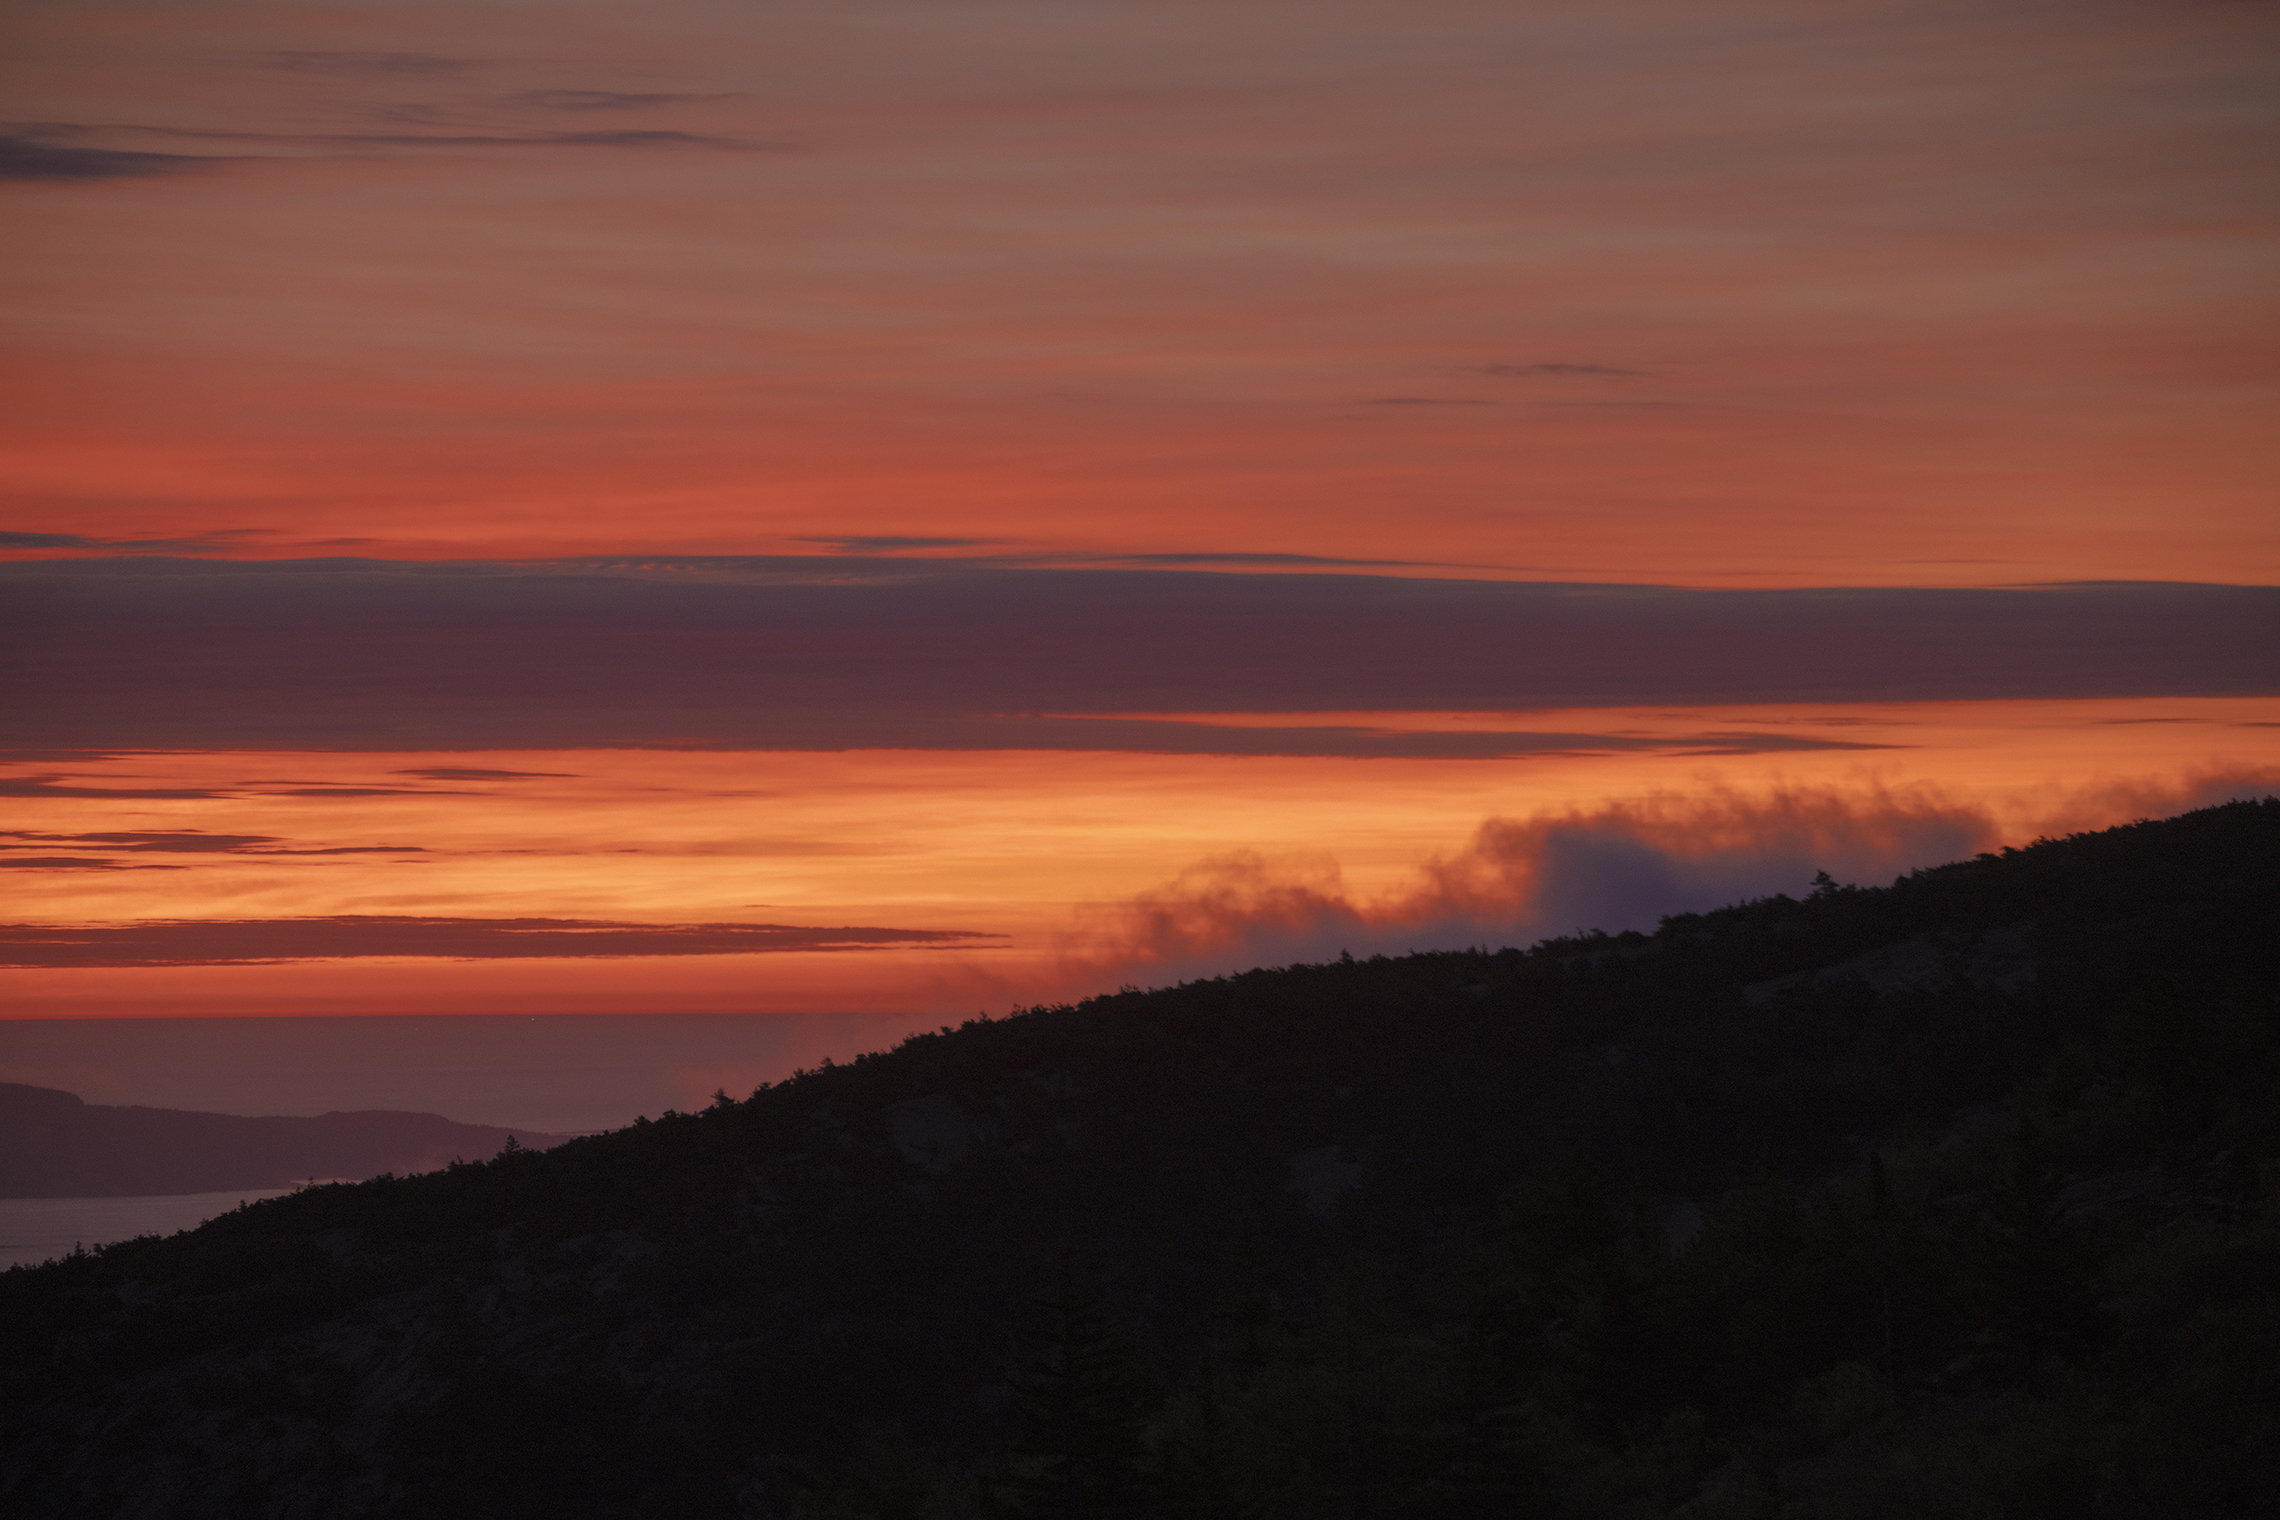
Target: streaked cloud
{"x":1237,"y":559}
{"x":305,"y":61}
{"x":477,"y":773}
{"x":212,"y":541}
{"x":220,"y":942}
{"x":192,"y":842}
{"x":61,"y":784}
{"x":607,"y":100}
{"x":76,"y":863}
{"x":1561,"y":371}
{"x":24,"y":158}
{"x":890,"y":543}
{"x":167,"y":841}
{"x":1172,"y":737}
{"x":613,"y":138}
{"x":56,"y":784}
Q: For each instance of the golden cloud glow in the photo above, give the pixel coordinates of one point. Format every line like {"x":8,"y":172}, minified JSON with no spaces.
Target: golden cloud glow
{"x":1066,"y":854}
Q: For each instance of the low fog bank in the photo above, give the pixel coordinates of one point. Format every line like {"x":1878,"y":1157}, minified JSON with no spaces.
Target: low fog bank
{"x":1622,"y":866}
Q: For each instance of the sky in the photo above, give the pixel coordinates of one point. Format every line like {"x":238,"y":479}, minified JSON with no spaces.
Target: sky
{"x":835,"y":518}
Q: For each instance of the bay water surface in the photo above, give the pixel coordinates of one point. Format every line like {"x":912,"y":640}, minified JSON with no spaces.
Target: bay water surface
{"x":34,"y":1230}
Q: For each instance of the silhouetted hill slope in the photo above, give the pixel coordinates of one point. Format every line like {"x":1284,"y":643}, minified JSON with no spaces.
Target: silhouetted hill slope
{"x":1947,"y":1198}
{"x":52,"y":1145}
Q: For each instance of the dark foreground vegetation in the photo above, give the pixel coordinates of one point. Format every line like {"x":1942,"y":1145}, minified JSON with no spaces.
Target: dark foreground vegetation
{"x":1955,"y":1198}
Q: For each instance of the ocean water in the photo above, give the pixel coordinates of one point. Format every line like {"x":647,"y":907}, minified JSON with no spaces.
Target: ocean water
{"x":34,"y":1230}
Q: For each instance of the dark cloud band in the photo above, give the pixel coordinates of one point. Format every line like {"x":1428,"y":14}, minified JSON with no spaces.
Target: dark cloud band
{"x":1560,"y":371}
{"x":861,"y":653}
{"x":63,"y":163}
{"x":168,"y":842}
{"x":249,"y":941}
{"x":302,"y":61}
{"x":618,"y":138}
{"x":605,"y":100}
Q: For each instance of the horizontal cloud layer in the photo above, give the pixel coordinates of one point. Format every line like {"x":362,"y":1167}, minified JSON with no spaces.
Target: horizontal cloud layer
{"x":240,"y":941}
{"x":857,"y":652}
{"x":23,"y":158}
{"x":103,"y":844}
{"x":187,"y":842}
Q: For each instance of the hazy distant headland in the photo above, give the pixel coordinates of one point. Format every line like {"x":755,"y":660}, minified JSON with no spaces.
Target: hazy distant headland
{"x":53,"y":1145}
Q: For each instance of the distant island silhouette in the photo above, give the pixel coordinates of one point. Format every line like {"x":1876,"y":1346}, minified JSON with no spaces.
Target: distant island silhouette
{"x":53,"y":1145}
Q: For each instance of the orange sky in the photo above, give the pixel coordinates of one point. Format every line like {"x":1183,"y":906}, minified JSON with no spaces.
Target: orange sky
{"x":1764,"y":294}
{"x":1768,"y":297}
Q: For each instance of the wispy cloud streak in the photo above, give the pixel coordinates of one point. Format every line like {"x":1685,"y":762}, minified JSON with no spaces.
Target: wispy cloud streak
{"x":24,"y":158}
{"x":309,"y":61}
{"x":253,"y":941}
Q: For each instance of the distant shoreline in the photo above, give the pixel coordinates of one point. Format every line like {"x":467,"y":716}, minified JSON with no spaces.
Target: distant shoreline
{"x":54,"y":1145}
{"x":36,"y":1230}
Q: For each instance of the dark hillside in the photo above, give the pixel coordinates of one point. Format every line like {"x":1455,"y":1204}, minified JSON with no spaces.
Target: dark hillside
{"x":1946,"y":1198}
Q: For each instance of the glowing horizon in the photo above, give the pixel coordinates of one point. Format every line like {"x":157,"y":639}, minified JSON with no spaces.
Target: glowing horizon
{"x":1071,"y":871}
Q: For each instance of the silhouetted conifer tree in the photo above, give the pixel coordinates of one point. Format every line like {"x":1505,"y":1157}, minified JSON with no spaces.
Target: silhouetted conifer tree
{"x":2160,"y":1047}
{"x":1077,"y":1454}
{"x":2033,"y":1299}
